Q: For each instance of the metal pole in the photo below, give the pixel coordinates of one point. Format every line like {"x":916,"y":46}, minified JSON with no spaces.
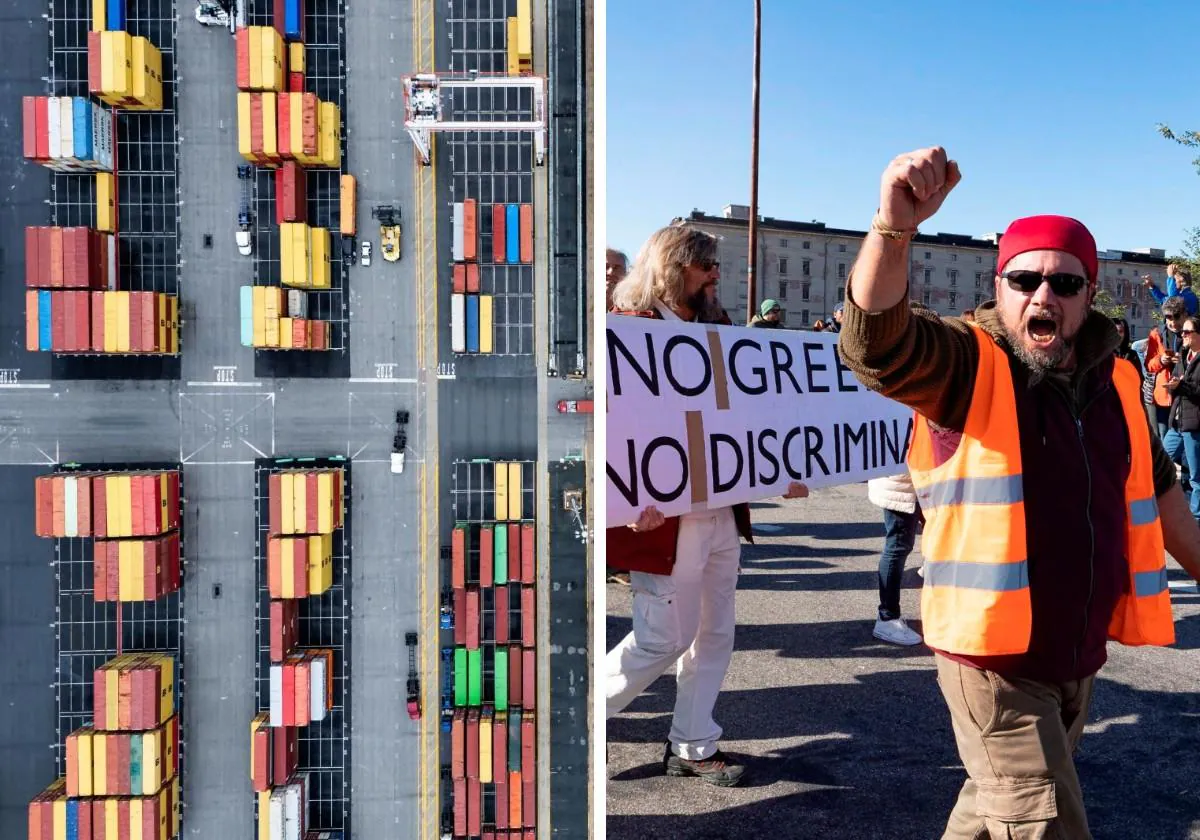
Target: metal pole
{"x":752,"y":268}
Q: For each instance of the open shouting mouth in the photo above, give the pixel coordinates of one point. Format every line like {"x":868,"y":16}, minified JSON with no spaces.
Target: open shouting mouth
{"x":1043,"y":329}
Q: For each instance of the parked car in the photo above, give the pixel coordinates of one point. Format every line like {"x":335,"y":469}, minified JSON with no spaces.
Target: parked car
{"x":366,"y":254}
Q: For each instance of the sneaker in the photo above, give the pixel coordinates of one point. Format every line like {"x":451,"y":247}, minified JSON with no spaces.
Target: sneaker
{"x":619,"y":577}
{"x":896,"y":632}
{"x":717,"y":769}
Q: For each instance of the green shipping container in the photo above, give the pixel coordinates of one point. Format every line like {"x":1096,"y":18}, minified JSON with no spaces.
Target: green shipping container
{"x":474,"y":677}
{"x":135,"y":763}
{"x":500,"y":551}
{"x":460,"y":676}
{"x":501,"y":670}
{"x":514,"y":740}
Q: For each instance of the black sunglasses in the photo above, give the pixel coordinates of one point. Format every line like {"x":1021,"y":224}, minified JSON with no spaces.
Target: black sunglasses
{"x":1027,"y":282}
{"x":1187,"y":332}
{"x":707,"y":265}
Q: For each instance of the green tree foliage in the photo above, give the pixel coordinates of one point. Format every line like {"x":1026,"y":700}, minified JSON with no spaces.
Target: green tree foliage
{"x":1104,"y":303}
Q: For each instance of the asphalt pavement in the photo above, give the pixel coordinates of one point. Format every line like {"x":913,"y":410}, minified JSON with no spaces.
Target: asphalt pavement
{"x":848,"y":737}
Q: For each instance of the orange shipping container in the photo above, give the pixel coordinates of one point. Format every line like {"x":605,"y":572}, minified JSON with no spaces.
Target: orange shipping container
{"x":242,"y":41}
{"x":473,"y":278}
{"x":459,"y":278}
{"x":527,"y":233}
{"x":470,"y":229}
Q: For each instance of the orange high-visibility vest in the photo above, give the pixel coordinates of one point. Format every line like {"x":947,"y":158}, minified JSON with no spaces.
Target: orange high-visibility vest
{"x":975,"y":600}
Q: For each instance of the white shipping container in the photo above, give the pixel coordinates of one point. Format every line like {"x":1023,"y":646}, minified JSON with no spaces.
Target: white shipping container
{"x":66,"y":131}
{"x":102,"y":138}
{"x":457,"y":228}
{"x":54,"y":120}
{"x":277,"y":695}
{"x":293,"y":828}
{"x":297,"y":303}
{"x":71,"y":506}
{"x":111,"y":281}
{"x":317,"y":687}
{"x":277,"y":796}
{"x":458,"y":332}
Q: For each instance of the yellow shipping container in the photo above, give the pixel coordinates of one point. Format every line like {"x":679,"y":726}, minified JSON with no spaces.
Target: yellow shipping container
{"x":106,"y":207}
{"x":116,"y":74}
{"x":514,"y":65}
{"x":99,"y":15}
{"x":122,"y":321}
{"x":319,"y":274}
{"x":173,"y":323}
{"x":60,"y":819}
{"x":296,"y":57}
{"x":139,"y":87}
{"x":524,"y":29}
{"x":485,"y":749}
{"x":270,"y":120}
{"x":485,"y":324}
{"x":166,"y":668}
{"x":259,"y":312}
{"x":125,"y":574}
{"x":110,"y":698}
{"x":84,"y":770}
{"x":514,"y":491}
{"x":500,"y":481}
{"x":285,"y":333}
{"x":264,"y":815}
{"x":287,"y":561}
{"x":100,"y":764}
{"x":135,"y":819}
{"x":124,"y":485}
{"x":287,"y":520}
{"x":271,"y":312}
{"x":256,"y":62}
{"x":325,"y":509}
{"x":152,"y":766}
{"x":320,"y":563}
{"x":243,"y":103}
{"x":300,"y":499}
{"x":163,"y":517}
{"x":272,"y":56}
{"x":110,"y":323}
{"x":330,"y":135}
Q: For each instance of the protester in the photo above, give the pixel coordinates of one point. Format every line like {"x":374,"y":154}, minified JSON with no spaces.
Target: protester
{"x":769,"y":316}
{"x":1179,"y":283}
{"x":616,"y":265}
{"x":1125,"y":348}
{"x":1182,"y":440}
{"x":968,"y":315}
{"x":836,"y":324}
{"x":1048,"y":503}
{"x":683,"y":569}
{"x":1162,"y":352}
{"x":819,"y":326}
{"x":901,"y":518}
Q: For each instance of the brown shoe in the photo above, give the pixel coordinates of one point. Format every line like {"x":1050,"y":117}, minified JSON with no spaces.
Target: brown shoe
{"x":717,"y":769}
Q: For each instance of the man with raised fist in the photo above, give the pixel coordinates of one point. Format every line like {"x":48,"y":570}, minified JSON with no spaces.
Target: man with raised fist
{"x":1047,"y":500}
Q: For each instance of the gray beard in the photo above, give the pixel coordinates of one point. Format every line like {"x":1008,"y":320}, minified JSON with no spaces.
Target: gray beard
{"x":1038,"y":362}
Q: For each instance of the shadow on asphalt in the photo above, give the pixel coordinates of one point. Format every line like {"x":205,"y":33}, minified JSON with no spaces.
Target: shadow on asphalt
{"x":821,"y":530}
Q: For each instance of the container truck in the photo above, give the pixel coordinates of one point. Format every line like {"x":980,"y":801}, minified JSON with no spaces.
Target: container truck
{"x":245,"y":173}
{"x":389,"y":231}
{"x":414,"y":681}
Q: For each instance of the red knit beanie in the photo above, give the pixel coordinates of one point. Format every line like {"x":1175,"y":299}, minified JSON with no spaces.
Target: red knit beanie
{"x":1049,"y":233}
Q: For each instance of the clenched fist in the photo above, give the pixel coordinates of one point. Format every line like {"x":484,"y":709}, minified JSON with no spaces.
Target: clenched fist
{"x":914,"y":186}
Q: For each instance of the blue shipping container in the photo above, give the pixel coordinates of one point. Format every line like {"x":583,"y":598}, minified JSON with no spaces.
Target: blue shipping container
{"x":512,"y":233}
{"x":472,"y":323}
{"x":73,"y":816}
{"x":247,"y":316}
{"x":44,"y":333}
{"x":293,"y":20}
{"x":81,"y":118}
{"x":116,"y":15}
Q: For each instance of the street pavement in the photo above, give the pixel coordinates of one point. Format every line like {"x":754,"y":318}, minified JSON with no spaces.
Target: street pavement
{"x":847,"y":737}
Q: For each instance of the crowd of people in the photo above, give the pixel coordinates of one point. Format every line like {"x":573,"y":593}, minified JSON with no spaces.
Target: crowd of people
{"x":1048,"y":468}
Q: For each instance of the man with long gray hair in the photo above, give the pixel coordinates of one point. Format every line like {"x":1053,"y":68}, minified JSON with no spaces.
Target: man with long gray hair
{"x":683,"y":569}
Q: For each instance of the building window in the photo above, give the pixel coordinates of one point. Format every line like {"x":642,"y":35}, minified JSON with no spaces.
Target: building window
{"x":842,"y":248}
{"x":804,"y":287}
{"x":925,"y":297}
{"x":953,"y":272}
{"x":841,"y":293}
{"x":929,"y":255}
{"x":978,"y":279}
{"x":1134,"y":312}
{"x":954,"y":300}
{"x":804,"y":317}
{"x":783,"y":243}
{"x":841,"y":271}
{"x":783,"y":265}
{"x":783,"y":290}
{"x":978,"y":258}
{"x":978,"y":299}
{"x":929,"y":275}
{"x":804,"y":245}
{"x":954,"y":258}
{"x":805,"y":267}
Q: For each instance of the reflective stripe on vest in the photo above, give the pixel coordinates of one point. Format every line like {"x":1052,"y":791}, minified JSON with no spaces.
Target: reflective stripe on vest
{"x":975,"y":599}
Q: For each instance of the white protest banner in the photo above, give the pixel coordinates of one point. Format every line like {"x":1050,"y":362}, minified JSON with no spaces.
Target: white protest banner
{"x":703,"y":416}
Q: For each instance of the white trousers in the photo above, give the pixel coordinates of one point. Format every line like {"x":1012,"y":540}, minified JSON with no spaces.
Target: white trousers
{"x":687,"y":619}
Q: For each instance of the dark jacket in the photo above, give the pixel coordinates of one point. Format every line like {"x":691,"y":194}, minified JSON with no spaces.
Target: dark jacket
{"x":1185,"y":407}
{"x":654,"y":551}
{"x":763,"y":323}
{"x":1075,"y":460}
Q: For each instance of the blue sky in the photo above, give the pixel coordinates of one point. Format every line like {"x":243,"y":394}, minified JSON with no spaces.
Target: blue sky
{"x":1047,"y":111}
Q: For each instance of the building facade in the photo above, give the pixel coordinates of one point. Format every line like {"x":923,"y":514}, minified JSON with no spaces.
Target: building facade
{"x":804,"y":266}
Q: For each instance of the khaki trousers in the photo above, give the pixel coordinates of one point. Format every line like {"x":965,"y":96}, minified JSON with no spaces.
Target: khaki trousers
{"x":1016,"y":739}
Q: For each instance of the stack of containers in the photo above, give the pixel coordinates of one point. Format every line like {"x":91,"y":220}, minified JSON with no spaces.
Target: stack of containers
{"x":305,"y":508}
{"x":519,"y":48}
{"x":108,"y":322}
{"x":108,"y":15}
{"x":305,"y":256}
{"x":122,"y":773}
{"x":471,"y":329}
{"x":124,"y":70}
{"x":272,"y":319}
{"x":134,"y":520}
{"x":260,"y":59}
{"x":67,"y":133}
{"x":493,"y":727}
{"x":278,"y":126}
{"x":70,"y":258}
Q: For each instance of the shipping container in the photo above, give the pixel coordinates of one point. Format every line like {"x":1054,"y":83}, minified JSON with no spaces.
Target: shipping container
{"x":106,"y":203}
{"x":134,"y":691}
{"x":460,"y":616}
{"x":296,"y":60}
{"x":122,"y":763}
{"x":515,"y":675}
{"x":347,"y":222}
{"x":245,"y":75}
{"x":457,"y":222}
{"x":474,"y":806}
{"x":470,"y":231}
{"x":515,"y":818}
{"x":458,"y":745}
{"x":136,"y":570}
{"x":458,"y":278}
{"x":458,"y":333}
{"x":460,"y":676}
{"x":472,"y":619}
{"x":330,"y":135}
{"x":246,"y":309}
{"x":500,"y":550}
{"x":460,"y":807}
{"x":472,"y":744}
{"x":115,"y":18}
{"x":290,"y":191}
{"x":528,"y":621}
{"x":528,"y":746}
{"x":472,"y":323}
{"x":474,"y":677}
{"x":515,"y":491}
{"x":458,"y":557}
{"x":485,"y":556}
{"x":498,"y":233}
{"x":500,"y":483}
{"x":500,"y":667}
{"x":528,"y":570}
{"x":513,"y":60}
{"x":285,"y":627}
{"x":528,"y":679}
{"x":295,"y":82}
{"x":512,"y":230}
{"x":527,"y":233}
{"x":293,"y":20}
{"x":485,"y":323}
{"x":472,"y":283}
{"x":529,"y":803}
{"x":525,"y":36}
{"x":514,"y":741}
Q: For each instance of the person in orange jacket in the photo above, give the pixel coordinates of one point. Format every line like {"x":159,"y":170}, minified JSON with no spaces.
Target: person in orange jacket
{"x":1163,"y":347}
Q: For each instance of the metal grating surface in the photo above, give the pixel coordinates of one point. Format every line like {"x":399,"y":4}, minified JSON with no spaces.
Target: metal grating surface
{"x":324,"y":747}
{"x":492,"y":166}
{"x":324,"y":75}
{"x":86,"y":631}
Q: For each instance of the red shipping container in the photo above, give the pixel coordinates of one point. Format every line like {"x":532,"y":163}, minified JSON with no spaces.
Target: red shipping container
{"x":135,"y":505}
{"x":83,"y":324}
{"x":66,"y":302}
{"x":135,"y":345}
{"x":274,"y":500}
{"x":311,"y":514}
{"x":100,"y":571}
{"x":515,"y":682}
{"x":58,"y":323}
{"x":148,"y":332}
{"x":278,"y":17}
{"x":319,"y":335}
{"x":274,"y":568}
{"x":458,"y":557}
{"x":473,"y":278}
{"x":528,"y":678}
{"x":460,"y":808}
{"x":498,"y":233}
{"x":469,"y":229}
{"x":528,"y":572}
{"x":514,"y":801}
{"x":488,"y":834}
{"x":460,"y":616}
{"x":526,"y":213}
{"x":243,"y":58}
{"x":502,"y":802}
{"x":152,"y":552}
{"x":112,"y":578}
{"x":472,"y":619}
{"x":41,"y":115}
{"x":501,"y":607}
{"x":290,"y":185}
{"x":284,"y":623}
{"x":514,"y":553}
{"x":29,"y":127}
{"x":70,"y":256}
{"x":499,"y":759}
{"x":459,"y":279}
{"x":289,"y":694}
{"x":43,"y":513}
{"x":473,"y":744}
{"x":474,"y":806}
{"x":528,"y":749}
{"x":55,"y":261}
{"x":32,"y":338}
{"x":295,"y":83}
{"x":283,"y":121}
{"x":263,"y":748}
{"x":286,"y":753}
{"x":529,"y":807}
{"x":458,"y":745}
{"x":485,"y":556}
{"x":176,"y":563}
{"x":93,"y":60}
{"x":31,"y":256}
{"x":173,"y":499}
{"x":85,"y":500}
{"x":98,"y":323}
{"x":309,"y":123}
{"x":300,"y":336}
{"x":58,"y":485}
{"x":528,"y":622}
